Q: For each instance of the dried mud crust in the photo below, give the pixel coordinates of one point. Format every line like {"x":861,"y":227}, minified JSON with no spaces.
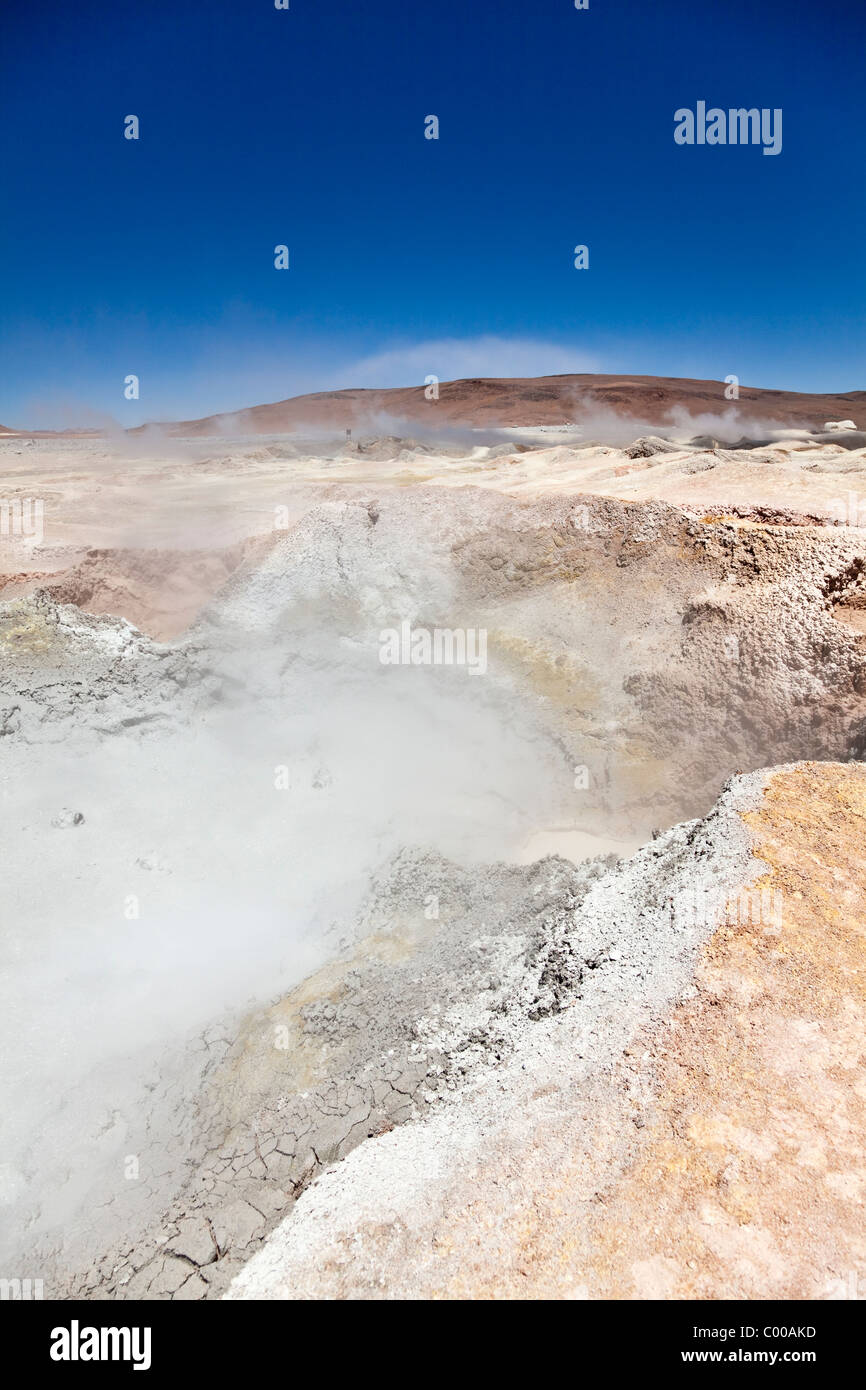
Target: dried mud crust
{"x":64,"y":671}
{"x":632,"y":627}
{"x":613,"y":620}
{"x":747,"y":1179}
{"x":662,"y":651}
{"x":415,"y":1019}
{"x":721,"y":1156}
{"x":350,"y":1054}
{"x":160,"y":592}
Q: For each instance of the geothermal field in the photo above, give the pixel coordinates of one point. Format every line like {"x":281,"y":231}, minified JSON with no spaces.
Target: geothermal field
{"x":433,"y":848}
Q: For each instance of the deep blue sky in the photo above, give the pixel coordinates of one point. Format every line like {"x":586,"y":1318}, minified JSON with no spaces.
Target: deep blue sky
{"x":412,"y":256}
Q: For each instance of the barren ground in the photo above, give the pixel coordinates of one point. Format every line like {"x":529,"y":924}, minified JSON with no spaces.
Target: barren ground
{"x":334,"y":978}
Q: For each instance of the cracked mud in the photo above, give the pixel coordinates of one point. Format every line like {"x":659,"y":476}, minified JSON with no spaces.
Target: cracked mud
{"x":273,"y":904}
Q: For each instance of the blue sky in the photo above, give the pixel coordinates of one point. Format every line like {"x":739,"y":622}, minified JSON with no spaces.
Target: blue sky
{"x":412,"y":256}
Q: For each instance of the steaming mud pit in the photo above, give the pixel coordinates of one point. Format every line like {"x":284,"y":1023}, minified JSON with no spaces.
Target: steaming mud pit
{"x":267,"y":898}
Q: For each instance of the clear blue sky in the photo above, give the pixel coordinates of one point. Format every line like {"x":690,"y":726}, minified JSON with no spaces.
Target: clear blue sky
{"x":410,"y":256}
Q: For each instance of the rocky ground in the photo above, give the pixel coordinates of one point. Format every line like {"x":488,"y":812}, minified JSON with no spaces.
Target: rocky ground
{"x":295,"y":1000}
{"x":714,"y":1151}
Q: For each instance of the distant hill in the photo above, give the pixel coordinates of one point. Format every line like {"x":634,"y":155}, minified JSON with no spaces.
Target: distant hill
{"x":544,"y":400}
{"x":48,"y":434}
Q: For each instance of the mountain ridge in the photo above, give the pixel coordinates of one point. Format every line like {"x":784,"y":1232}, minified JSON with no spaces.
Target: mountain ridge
{"x":509,"y":402}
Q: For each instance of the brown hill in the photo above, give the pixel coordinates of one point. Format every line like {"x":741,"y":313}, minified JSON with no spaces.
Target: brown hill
{"x":527,"y":401}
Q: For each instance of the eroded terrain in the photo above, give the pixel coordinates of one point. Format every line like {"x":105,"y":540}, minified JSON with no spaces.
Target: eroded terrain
{"x":276,"y":908}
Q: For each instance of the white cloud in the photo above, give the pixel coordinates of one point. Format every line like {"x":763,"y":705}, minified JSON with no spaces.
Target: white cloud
{"x":452,"y":358}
